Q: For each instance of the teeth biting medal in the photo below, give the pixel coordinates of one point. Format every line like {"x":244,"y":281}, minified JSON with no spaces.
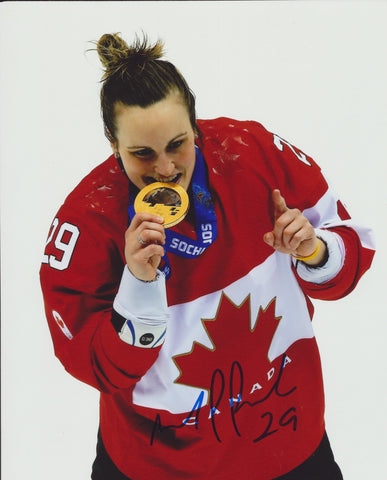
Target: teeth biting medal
{"x":172,"y":202}
{"x":168,"y":200}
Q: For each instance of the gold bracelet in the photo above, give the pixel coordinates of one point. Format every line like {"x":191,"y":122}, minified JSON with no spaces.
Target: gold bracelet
{"x":310,"y":257}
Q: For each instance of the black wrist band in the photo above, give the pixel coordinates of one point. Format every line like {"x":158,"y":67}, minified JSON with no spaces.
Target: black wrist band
{"x":118,"y":321}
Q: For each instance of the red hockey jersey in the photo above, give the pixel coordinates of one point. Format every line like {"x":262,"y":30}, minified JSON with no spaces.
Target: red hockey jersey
{"x":235,"y":391}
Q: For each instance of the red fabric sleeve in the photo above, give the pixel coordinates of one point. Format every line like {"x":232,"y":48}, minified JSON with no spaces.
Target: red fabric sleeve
{"x":304,"y":186}
{"x":78,"y":302}
{"x":275,"y":163}
{"x":357,"y":261}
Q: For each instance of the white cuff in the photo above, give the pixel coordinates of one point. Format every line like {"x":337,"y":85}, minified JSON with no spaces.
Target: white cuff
{"x":139,"y":334}
{"x":336,"y":254}
{"x":144,"y":306}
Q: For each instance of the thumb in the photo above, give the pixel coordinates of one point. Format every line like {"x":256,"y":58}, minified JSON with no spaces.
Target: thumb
{"x":269,"y":238}
{"x":280,"y":206}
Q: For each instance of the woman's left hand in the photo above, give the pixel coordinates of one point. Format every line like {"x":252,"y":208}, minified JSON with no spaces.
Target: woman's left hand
{"x":292,"y":232}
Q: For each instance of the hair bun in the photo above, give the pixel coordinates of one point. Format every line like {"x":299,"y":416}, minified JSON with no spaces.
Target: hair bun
{"x":116,"y":55}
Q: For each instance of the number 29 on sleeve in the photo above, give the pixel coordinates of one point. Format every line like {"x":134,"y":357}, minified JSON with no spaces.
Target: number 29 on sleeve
{"x":65,"y":239}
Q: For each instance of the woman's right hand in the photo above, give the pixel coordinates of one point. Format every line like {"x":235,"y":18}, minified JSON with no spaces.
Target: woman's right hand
{"x":143,"y":245}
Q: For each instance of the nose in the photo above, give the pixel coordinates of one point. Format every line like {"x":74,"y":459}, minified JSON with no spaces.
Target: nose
{"x":164,"y":166}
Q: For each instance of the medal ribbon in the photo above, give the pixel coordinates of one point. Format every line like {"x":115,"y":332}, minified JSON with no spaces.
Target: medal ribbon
{"x":206,"y":224}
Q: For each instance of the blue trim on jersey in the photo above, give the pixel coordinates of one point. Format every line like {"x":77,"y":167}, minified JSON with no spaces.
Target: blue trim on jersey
{"x":159,"y":339}
{"x":131,"y":328}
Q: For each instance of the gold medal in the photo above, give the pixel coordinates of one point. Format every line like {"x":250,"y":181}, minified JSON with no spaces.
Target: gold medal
{"x":168,"y":200}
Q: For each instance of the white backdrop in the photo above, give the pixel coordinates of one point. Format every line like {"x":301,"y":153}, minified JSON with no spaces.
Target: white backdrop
{"x":313,"y":72}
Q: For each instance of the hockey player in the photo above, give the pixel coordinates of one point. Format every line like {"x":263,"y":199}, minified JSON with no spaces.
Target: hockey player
{"x":198,"y":334}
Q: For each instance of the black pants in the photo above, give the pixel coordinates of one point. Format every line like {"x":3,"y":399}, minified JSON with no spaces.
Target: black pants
{"x":320,"y":465}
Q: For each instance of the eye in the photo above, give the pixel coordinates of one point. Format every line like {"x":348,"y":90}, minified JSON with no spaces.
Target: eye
{"x":175,"y":145}
{"x":143,"y":153}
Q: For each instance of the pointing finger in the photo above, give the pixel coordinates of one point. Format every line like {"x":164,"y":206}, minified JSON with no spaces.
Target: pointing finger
{"x":280,"y":206}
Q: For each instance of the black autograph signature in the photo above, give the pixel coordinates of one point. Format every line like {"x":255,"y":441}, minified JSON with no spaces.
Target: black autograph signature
{"x":235,"y":388}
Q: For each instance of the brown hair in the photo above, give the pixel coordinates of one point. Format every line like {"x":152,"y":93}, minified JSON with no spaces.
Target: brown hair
{"x":135,"y":75}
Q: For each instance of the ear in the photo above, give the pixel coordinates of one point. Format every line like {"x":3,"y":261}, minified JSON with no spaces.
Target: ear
{"x":114,"y":147}
{"x":113,"y":142}
{"x":108,"y":135}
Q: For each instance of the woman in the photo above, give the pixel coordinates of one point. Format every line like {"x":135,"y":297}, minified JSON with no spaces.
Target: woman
{"x":198,"y":336}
